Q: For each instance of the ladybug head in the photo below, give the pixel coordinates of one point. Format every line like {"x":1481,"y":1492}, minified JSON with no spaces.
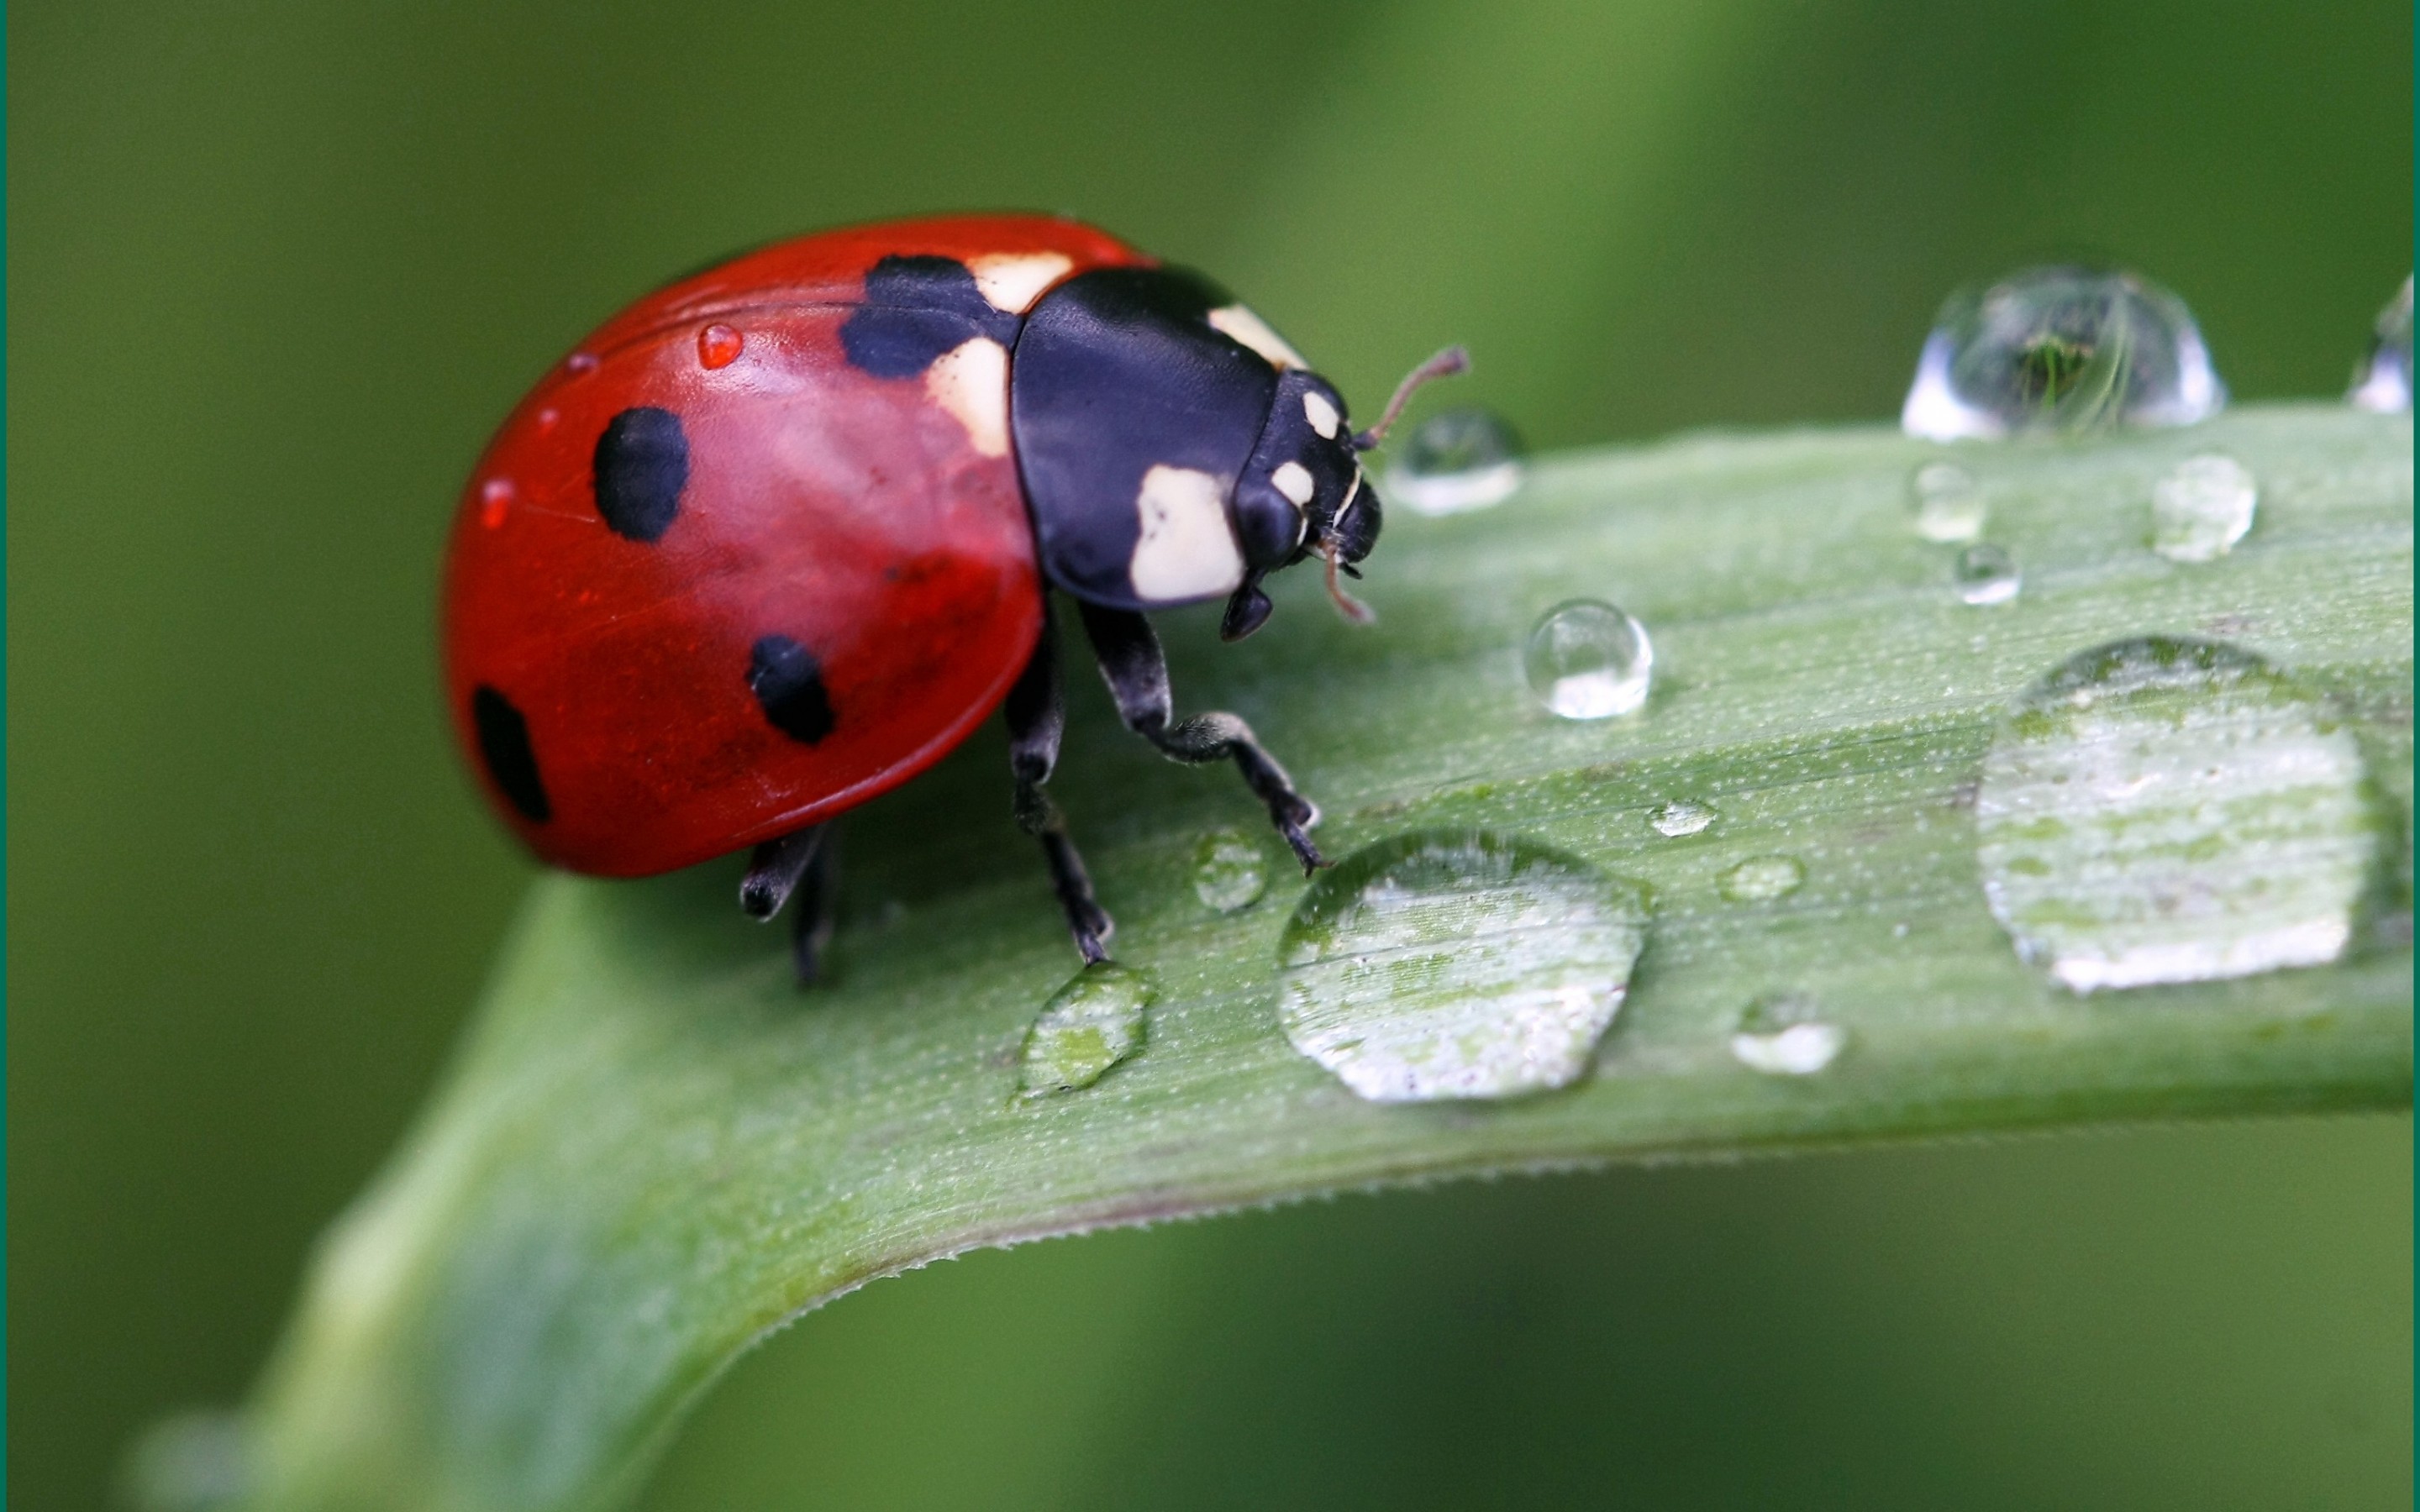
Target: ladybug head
{"x":1304,"y":493}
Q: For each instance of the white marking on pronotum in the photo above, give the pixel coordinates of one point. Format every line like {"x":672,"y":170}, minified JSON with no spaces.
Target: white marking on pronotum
{"x":1322,"y":415}
{"x":970,"y":381}
{"x":1352,"y":497}
{"x":1186,"y":549}
{"x":1244,"y":326}
{"x":1294,"y":481}
{"x":1012,"y":281}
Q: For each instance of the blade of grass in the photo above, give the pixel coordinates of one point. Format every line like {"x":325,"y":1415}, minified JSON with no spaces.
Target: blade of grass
{"x":653,"y":1149}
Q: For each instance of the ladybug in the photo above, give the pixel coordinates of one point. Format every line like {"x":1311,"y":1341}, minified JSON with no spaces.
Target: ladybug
{"x":775,"y":538}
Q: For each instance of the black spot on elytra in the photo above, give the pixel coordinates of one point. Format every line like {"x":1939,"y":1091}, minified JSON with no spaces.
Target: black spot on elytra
{"x":505,"y":746}
{"x":917,"y":308}
{"x":789,"y":686}
{"x":642,"y":467}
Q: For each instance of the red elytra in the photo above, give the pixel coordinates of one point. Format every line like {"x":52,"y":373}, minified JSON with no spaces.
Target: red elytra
{"x":858,"y":518}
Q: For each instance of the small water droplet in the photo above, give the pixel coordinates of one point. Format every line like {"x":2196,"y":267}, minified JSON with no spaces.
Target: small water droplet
{"x":1457,"y":460}
{"x":1948,"y":502}
{"x":547,"y":419}
{"x":579,"y":363}
{"x":1588,"y":661}
{"x":1229,"y":873}
{"x":2202,"y":507}
{"x":495,"y":501}
{"x":1781,"y":1036}
{"x":1681,"y":817}
{"x":190,"y":1461}
{"x":2060,"y":348}
{"x":1088,"y":1025}
{"x":719,"y":345}
{"x":1986,"y":575}
{"x":1761,"y":879}
{"x":1457,"y":964}
{"x":2383,"y":383}
{"x":2163,"y":810}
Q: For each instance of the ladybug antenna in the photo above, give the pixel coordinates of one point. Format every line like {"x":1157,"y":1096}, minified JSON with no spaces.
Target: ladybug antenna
{"x":1346,"y":604}
{"x":1444,"y":364}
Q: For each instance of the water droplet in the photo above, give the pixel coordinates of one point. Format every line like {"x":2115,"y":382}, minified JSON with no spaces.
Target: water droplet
{"x":1761,"y":879}
{"x":495,"y":501}
{"x":1088,"y":1025}
{"x":1588,"y":661}
{"x":2060,"y":348}
{"x":719,"y":345}
{"x":1457,"y":460}
{"x":1948,"y":502}
{"x":1229,"y":873}
{"x":2162,"y":810}
{"x":1986,"y":575}
{"x":580,"y":363}
{"x":1781,"y":1036}
{"x":547,"y":419}
{"x":1457,"y":964}
{"x":1681,"y":817}
{"x":2383,"y":383}
{"x":2202,"y":507}
{"x":192,"y":1461}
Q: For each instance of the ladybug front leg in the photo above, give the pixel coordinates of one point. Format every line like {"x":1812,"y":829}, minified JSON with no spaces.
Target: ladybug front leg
{"x":1136,"y":671}
{"x":797,"y":865}
{"x":1037,"y":716}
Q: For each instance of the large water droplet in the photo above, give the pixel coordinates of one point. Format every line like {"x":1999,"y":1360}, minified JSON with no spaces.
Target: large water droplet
{"x":1986,"y":575}
{"x":2383,"y":383}
{"x":1457,"y":964}
{"x":1457,"y":460}
{"x":1229,"y":873}
{"x":1088,"y":1025}
{"x":2162,"y":810}
{"x":1783,"y":1036}
{"x":1761,"y":879}
{"x":2202,"y":507}
{"x":2060,"y":348}
{"x":1681,"y":817}
{"x":1588,"y":661}
{"x":1948,"y":502}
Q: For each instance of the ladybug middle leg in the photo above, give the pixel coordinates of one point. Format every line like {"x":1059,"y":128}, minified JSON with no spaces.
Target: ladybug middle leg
{"x":798,"y":865}
{"x":1037,"y":716}
{"x":1136,"y":671}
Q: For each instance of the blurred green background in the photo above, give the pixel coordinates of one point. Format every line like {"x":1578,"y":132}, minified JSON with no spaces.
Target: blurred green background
{"x":275,"y":267}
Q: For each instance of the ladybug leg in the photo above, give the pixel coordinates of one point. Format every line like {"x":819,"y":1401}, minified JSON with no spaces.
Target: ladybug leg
{"x":1136,"y":671}
{"x":1037,"y":716}
{"x":797,"y":865}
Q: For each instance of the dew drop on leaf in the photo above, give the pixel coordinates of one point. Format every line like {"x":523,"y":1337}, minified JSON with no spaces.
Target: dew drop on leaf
{"x":1784,"y":1036}
{"x":1763,"y":879}
{"x":1681,"y":817}
{"x":2201,"y":507}
{"x":2165,"y":810}
{"x":1985,"y":574}
{"x":2060,"y":348}
{"x":1586,"y":659}
{"x":1229,"y":873}
{"x":1457,"y":964}
{"x":1948,"y":502}
{"x":1088,"y":1025}
{"x":2383,"y":383}
{"x":1455,"y":461}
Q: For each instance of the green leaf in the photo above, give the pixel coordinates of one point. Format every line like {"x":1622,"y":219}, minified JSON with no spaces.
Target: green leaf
{"x":653,"y":1149}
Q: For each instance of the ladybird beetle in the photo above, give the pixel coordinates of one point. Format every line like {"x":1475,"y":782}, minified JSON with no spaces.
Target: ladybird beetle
{"x":779,"y":535}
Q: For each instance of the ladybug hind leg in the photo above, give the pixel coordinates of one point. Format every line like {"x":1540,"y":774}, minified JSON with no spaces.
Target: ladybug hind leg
{"x":1037,"y":716}
{"x":798,"y":866}
{"x":1136,"y":671}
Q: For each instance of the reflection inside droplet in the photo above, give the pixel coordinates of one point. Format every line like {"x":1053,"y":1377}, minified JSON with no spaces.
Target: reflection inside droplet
{"x":1457,"y":964}
{"x":1586,"y":659}
{"x":2201,"y":507}
{"x":2060,"y":348}
{"x":1948,"y":502}
{"x":1457,"y":460}
{"x":2164,"y":810}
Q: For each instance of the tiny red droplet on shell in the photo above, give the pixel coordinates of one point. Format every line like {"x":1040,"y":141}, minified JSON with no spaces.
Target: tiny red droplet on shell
{"x":495,"y":498}
{"x":581,"y":363}
{"x":718,"y":346}
{"x":546,"y":420}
